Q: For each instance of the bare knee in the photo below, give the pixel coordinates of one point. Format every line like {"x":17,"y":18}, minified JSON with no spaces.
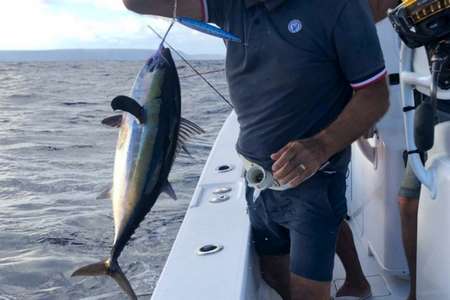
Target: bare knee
{"x":275,"y":272}
{"x":307,"y":289}
{"x":274,"y":267}
{"x":272,"y":277}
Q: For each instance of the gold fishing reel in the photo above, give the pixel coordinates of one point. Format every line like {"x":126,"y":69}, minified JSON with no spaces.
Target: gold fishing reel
{"x":421,"y":22}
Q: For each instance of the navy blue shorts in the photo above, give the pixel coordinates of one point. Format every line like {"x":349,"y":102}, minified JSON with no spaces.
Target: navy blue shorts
{"x":302,"y":222}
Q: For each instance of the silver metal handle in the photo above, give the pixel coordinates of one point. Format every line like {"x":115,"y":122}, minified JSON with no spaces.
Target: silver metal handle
{"x":369,"y":151}
{"x":408,"y":80}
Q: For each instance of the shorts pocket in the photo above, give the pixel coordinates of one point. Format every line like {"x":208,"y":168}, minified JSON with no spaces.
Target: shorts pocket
{"x":311,"y":210}
{"x":312,"y":197}
{"x":280,"y":208}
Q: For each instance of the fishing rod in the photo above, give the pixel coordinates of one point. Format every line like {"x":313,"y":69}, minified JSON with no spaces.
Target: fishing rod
{"x":192,"y":67}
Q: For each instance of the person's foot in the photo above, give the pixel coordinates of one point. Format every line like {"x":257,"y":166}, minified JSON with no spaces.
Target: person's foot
{"x":361,"y":289}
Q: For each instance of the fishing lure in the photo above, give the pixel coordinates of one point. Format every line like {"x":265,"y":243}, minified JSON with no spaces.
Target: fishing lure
{"x":208,"y":29}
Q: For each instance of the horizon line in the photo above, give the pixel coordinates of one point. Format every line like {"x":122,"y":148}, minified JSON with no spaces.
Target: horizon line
{"x":80,"y":49}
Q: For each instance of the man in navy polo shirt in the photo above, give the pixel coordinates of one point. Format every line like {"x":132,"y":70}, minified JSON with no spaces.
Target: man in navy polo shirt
{"x":306,"y":82}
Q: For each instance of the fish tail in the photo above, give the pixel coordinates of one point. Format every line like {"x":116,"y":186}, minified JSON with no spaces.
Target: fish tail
{"x":108,"y":268}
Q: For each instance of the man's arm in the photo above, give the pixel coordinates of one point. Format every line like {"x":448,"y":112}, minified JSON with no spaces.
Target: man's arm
{"x":380,"y":7}
{"x":188,"y":8}
{"x":361,"y":61}
{"x":364,"y":109}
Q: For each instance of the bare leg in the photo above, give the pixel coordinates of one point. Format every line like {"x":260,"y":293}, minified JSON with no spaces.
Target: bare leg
{"x":355,"y":283}
{"x":306,"y":289}
{"x":275,"y":272}
{"x":408,"y":215}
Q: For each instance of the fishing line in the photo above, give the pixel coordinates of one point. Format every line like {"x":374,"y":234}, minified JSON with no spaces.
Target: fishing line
{"x":174,"y":19}
{"x":204,"y":73}
{"x":190,"y":65}
{"x":163,"y":39}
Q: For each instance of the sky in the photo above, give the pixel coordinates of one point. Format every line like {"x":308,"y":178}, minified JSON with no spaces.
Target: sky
{"x":90,"y":24}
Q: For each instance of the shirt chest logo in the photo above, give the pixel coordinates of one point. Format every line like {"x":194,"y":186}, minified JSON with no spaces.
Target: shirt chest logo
{"x":295,"y":26}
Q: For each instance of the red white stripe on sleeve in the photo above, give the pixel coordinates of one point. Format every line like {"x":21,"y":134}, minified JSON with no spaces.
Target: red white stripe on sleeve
{"x":375,"y":78}
{"x":204,"y":5}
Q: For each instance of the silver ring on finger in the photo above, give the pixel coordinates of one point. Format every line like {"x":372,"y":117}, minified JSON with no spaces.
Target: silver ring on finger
{"x":302,"y":167}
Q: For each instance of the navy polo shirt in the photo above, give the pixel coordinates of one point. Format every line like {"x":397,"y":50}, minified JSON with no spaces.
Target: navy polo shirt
{"x":297,"y":67}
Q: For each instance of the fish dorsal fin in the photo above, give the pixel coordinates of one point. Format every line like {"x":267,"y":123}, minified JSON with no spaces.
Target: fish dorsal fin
{"x":129,"y":105}
{"x":167,"y":188}
{"x":113,"y":121}
{"x":187,"y":130}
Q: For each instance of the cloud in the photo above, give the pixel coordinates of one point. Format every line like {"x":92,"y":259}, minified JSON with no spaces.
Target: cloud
{"x":56,"y":24}
{"x":114,"y":5}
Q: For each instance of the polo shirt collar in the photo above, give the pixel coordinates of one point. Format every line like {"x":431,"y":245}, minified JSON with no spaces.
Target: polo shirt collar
{"x":270,"y":4}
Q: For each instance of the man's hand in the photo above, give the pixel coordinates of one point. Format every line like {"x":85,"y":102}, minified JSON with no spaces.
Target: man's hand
{"x":298,"y":160}
{"x":370,"y":133}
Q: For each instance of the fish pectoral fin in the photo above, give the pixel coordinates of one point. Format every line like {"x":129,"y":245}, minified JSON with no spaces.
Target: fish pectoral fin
{"x":167,"y":188}
{"x":129,"y":105}
{"x":183,"y":147}
{"x":190,"y":126}
{"x":113,"y":121}
{"x":109,"y":268}
{"x":187,"y":130}
{"x":105,"y":194}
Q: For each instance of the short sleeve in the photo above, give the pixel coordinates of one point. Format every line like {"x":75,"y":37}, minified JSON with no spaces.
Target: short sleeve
{"x":214,"y":11}
{"x":357,"y":46}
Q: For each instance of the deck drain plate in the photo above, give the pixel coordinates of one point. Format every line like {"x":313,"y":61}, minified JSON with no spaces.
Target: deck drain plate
{"x":222,"y":190}
{"x":224,"y":168}
{"x":209,"y":249}
{"x":219,"y":199}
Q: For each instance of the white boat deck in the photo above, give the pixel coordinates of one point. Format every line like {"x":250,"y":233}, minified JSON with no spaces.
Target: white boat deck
{"x":232,"y":274}
{"x":187,"y":275}
{"x":384,"y":286}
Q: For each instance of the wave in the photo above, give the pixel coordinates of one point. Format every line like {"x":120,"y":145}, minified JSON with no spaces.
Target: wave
{"x":60,"y":241}
{"x":52,"y":170}
{"x":77,"y":103}
{"x":22,"y":96}
{"x":82,"y":146}
{"x":6,"y":78}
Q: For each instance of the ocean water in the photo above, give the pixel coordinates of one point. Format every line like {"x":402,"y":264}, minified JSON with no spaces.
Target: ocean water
{"x":56,"y":157}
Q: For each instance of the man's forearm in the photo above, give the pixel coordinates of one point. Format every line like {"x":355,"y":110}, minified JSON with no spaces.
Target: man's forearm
{"x":149,"y":7}
{"x":365,"y":108}
{"x":308,"y":155}
{"x":188,"y":8}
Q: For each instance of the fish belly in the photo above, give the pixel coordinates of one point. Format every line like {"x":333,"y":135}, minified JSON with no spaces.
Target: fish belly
{"x":132,"y":169}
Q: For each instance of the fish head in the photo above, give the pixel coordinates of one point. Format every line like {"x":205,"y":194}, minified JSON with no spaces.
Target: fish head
{"x":161,"y":59}
{"x":157,"y":77}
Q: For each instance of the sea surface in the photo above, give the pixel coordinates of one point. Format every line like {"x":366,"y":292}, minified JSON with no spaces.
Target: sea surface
{"x":56,"y":158}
